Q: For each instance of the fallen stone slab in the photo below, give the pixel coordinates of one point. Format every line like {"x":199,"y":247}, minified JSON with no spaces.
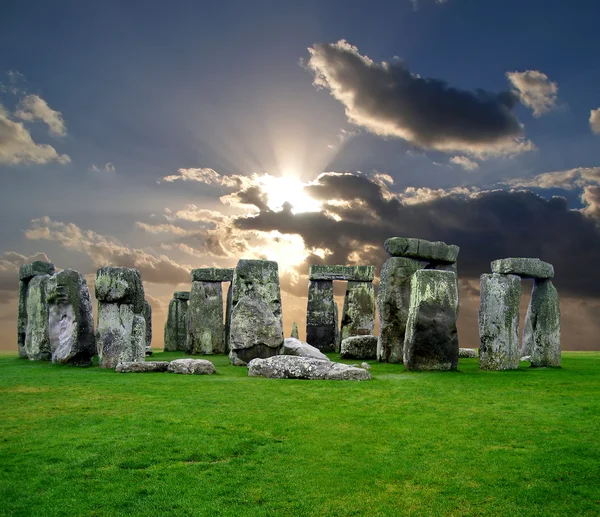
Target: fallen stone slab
{"x":293,"y":346}
{"x":359,"y":347}
{"x":467,"y":353}
{"x":136,"y":367}
{"x":421,"y":249}
{"x":350,"y":273}
{"x":523,"y":267}
{"x":191,"y":366}
{"x":212,"y":274}
{"x":292,"y":367}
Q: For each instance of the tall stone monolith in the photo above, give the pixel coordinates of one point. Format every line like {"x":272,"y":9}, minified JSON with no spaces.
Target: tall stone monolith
{"x":358,"y":314}
{"x":205,"y":319}
{"x":176,"y":325}
{"x":499,"y":322}
{"x":256,"y":321}
{"x":294,"y":330}
{"x":541,"y":332}
{"x":393,"y":300}
{"x":70,"y":319}
{"x":121,"y":330}
{"x":37,"y":339}
{"x":431,"y":339}
{"x":320,"y":316}
{"x":148,"y":320}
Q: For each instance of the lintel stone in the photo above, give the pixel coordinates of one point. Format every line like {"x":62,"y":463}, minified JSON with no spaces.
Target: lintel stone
{"x":524,"y":267}
{"x":350,"y":273}
{"x":421,"y":249}
{"x":181,"y":295}
{"x":36,"y":268}
{"x":212,"y":274}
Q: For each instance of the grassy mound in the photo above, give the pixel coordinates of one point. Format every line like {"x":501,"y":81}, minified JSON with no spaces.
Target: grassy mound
{"x":93,"y":442}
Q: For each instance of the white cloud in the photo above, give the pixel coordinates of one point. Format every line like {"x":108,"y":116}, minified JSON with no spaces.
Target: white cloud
{"x":108,"y":167}
{"x":535,"y":90}
{"x":10,"y":262}
{"x":595,"y":120}
{"x":568,"y":179}
{"x":33,"y":107}
{"x":205,"y":175}
{"x":465,"y":163}
{"x":17,"y":146}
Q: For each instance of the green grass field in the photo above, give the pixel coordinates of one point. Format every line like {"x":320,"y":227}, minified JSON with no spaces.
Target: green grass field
{"x":94,"y":442}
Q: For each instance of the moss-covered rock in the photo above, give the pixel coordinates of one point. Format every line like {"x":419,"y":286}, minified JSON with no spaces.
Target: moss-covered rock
{"x":350,"y":273}
{"x":499,"y":322}
{"x":523,"y":267}
{"x":321,"y":322}
{"x":120,"y":334}
{"x":70,"y":319}
{"x":120,"y":285}
{"x":421,"y":249}
{"x":393,"y":300}
{"x":358,"y":315}
{"x":148,"y":319}
{"x":37,"y":339}
{"x":205,"y":319}
{"x":181,"y":295}
{"x":431,"y":339}
{"x":175,"y":335}
{"x":541,"y":332}
{"x":212,"y":274}
{"x":359,"y":347}
{"x":36,"y":268}
{"x":228,"y":303}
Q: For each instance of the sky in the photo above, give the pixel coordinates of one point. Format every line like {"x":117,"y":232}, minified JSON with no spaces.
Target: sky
{"x":172,"y":136}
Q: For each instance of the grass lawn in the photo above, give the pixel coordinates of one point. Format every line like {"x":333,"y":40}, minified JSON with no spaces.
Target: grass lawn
{"x":94,"y":442}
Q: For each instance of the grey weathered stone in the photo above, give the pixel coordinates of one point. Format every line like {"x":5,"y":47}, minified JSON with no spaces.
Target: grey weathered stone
{"x":192,"y":366}
{"x":393,"y":300}
{"x":293,"y":367}
{"x":37,"y":339}
{"x":526,"y":358}
{"x":36,"y":268}
{"x":293,"y":346}
{"x":421,"y":249}
{"x":541,"y":332}
{"x":70,"y":319}
{"x":358,"y":315}
{"x":366,"y":366}
{"x":121,"y":329}
{"x":145,"y":367}
{"x":176,"y":325}
{"x":523,"y":267}
{"x":181,"y":295}
{"x":212,"y":274}
{"x":227,"y":329}
{"x":294,"y":330}
{"x":431,"y":340}
{"x":467,"y":353}
{"x":336,"y":324}
{"x":350,"y":273}
{"x":499,"y":322}
{"x":255,"y":331}
{"x":359,"y":347}
{"x":148,"y":319}
{"x":205,"y":319}
{"x":26,"y":273}
{"x":320,"y":315}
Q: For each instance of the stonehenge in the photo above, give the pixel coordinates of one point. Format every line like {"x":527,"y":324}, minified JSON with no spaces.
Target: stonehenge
{"x":307,"y":368}
{"x":499,"y":316}
{"x":205,"y":328}
{"x":359,"y":347}
{"x":256,"y":325}
{"x":148,"y":319}
{"x":358,"y":315}
{"x":177,"y":323}
{"x":121,"y":328}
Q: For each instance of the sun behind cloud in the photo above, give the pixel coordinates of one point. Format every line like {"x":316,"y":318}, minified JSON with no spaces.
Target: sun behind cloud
{"x":282,"y":189}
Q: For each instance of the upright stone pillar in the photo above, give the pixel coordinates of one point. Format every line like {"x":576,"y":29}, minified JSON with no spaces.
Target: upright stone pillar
{"x":37,"y":339}
{"x":26,"y":273}
{"x":358,"y":315}
{"x":70,"y":319}
{"x":121,"y":330}
{"x":541,"y":332}
{"x":320,"y":316}
{"x":177,"y":321}
{"x":499,"y":322}
{"x":206,"y":331}
{"x":148,"y":319}
{"x":431,"y":340}
{"x":393,"y":300}
{"x":256,"y":323}
{"x":228,"y":302}
{"x":294,"y":330}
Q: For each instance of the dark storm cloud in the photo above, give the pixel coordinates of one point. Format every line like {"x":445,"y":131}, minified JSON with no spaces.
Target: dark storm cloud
{"x":388,"y":99}
{"x":486,"y":225}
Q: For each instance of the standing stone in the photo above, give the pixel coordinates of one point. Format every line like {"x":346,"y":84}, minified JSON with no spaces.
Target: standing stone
{"x":70,"y":319}
{"x":148,"y":319}
{"x":256,"y":322}
{"x":121,"y":330}
{"x":37,"y":339}
{"x":393,"y":300}
{"x":177,"y":321}
{"x":541,"y":333}
{"x":320,"y":316}
{"x":227,"y":328}
{"x":358,"y":316}
{"x":431,"y":340}
{"x":205,"y":319}
{"x":26,"y":273}
{"x":336,"y":324}
{"x":499,"y":322}
{"x":294,"y":330}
